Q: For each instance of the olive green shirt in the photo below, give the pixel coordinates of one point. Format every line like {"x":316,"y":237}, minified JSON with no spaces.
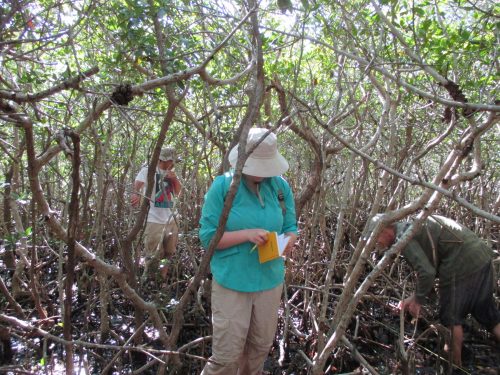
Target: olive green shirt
{"x":445,"y":250}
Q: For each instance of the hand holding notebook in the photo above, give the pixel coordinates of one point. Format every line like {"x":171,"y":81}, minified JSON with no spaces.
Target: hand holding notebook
{"x":273,"y":248}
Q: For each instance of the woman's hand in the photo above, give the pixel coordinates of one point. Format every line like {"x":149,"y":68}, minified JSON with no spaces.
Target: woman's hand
{"x":256,"y":236}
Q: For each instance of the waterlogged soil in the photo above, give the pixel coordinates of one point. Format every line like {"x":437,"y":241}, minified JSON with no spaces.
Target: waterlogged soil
{"x":376,"y":332}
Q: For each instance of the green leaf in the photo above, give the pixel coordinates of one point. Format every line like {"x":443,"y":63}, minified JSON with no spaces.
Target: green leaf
{"x":465,"y":34}
{"x":181,"y":85}
{"x":285,"y":5}
{"x":419,"y":11}
{"x":426,"y":24}
{"x":375,"y":18}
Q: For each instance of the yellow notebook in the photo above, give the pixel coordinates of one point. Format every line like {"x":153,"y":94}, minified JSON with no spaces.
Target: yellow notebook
{"x":273,"y":248}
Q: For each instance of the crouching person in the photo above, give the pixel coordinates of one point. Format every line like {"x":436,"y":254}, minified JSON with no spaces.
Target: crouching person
{"x":445,"y":250}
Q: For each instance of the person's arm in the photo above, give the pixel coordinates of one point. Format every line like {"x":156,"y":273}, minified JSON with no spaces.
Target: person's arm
{"x":289,"y":219}
{"x":229,"y":239}
{"x":426,"y":273}
{"x":211,"y":211}
{"x":175,"y":182}
{"x":135,"y":198}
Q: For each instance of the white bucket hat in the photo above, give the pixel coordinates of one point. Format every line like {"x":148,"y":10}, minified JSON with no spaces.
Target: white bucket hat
{"x":265,"y":160}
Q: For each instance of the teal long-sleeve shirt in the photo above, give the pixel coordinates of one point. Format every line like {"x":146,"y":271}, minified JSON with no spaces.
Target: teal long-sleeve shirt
{"x":238,"y":267}
{"x":445,"y":250}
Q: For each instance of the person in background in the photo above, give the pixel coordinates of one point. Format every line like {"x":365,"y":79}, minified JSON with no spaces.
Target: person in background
{"x":161,"y":231}
{"x":462,"y":262}
{"x":245,"y":293}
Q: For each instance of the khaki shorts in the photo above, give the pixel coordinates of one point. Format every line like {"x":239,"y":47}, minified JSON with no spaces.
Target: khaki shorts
{"x":161,"y":239}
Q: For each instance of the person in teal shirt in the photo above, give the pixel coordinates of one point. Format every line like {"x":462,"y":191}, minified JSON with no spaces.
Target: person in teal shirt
{"x":246,"y":294}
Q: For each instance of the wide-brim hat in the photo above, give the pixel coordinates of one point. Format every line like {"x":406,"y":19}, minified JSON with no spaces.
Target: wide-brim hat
{"x":265,"y":160}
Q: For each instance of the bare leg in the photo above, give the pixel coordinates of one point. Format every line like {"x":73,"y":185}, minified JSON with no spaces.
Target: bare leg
{"x":169,"y":247}
{"x":457,"y":339}
{"x":496,"y":331}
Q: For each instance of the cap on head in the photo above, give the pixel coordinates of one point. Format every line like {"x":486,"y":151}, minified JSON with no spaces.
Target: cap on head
{"x":265,"y":160}
{"x":370,"y":226}
{"x":167,"y":154}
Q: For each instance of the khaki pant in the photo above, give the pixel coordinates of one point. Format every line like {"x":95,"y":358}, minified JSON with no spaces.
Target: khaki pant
{"x":160,"y":243}
{"x":244,"y":326}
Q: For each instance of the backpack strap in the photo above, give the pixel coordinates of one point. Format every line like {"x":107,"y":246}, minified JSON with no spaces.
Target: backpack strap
{"x":281,"y":196}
